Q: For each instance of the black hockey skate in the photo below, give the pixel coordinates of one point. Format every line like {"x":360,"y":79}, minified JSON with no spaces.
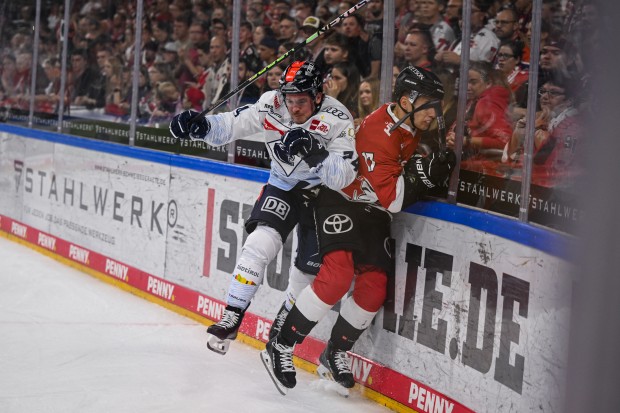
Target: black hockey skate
{"x":334,"y":365}
{"x":224,"y":331}
{"x":278,"y":322}
{"x":278,"y":360}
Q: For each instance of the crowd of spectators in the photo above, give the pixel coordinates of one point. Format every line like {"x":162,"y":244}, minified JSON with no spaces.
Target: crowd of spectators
{"x":186,"y":63}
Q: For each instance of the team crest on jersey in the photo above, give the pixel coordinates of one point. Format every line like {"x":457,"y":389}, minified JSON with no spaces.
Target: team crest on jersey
{"x":287,"y":164}
{"x":319,"y":127}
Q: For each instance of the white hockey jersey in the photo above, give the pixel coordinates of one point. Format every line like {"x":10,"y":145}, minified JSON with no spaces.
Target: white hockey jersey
{"x":332,"y":126}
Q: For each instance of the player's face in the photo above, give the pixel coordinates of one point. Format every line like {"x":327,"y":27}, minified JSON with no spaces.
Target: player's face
{"x":300,"y":106}
{"x":422,"y":119}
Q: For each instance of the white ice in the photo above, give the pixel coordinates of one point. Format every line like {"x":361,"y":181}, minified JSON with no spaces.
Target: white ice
{"x":72,"y":343}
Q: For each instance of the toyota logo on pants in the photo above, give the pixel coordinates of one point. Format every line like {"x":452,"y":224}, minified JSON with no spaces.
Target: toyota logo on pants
{"x":337,"y":224}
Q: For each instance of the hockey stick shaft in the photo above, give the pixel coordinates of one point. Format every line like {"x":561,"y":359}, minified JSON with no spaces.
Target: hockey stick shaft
{"x":265,"y":69}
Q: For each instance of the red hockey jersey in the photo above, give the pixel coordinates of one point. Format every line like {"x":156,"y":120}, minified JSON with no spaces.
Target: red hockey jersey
{"x":382,"y":155}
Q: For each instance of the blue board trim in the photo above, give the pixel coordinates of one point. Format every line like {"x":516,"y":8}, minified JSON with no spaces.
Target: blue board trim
{"x":523,"y":233}
{"x":538,"y":238}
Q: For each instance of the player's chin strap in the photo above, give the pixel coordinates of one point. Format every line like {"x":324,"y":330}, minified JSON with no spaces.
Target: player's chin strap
{"x":441,"y":123}
{"x":435,"y":104}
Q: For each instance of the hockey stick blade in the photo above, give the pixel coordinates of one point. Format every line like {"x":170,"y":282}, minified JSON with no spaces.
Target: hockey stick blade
{"x":265,"y":69}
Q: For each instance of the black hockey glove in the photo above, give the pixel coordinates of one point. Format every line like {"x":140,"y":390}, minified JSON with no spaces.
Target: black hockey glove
{"x":300,"y":142}
{"x":432,"y":170}
{"x":423,"y":173}
{"x":180,"y":127}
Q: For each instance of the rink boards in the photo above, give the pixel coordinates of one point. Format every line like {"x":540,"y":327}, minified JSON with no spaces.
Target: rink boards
{"x":474,"y":321}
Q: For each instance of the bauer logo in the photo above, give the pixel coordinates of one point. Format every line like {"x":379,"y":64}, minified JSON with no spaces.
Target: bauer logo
{"x":160,"y":288}
{"x":78,"y":254}
{"x":276,"y":206}
{"x":337,"y":224}
{"x":47,"y":241}
{"x":116,"y":269}
{"x":19,"y":230}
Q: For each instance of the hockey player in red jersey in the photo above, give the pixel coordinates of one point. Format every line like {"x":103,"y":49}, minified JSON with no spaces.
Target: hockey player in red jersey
{"x":354,"y":237}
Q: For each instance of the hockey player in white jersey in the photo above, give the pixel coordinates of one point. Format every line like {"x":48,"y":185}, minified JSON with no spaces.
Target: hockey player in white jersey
{"x":321,"y":130}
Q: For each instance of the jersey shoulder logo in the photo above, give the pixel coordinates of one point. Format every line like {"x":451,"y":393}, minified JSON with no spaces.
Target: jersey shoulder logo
{"x":319,"y":127}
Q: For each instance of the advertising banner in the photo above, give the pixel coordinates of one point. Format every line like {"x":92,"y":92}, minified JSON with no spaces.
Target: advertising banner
{"x":472,"y":321}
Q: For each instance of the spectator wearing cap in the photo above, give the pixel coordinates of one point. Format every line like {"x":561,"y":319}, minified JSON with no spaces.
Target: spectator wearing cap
{"x":310,"y":26}
{"x":353,"y":29}
{"x":268,"y":50}
{"x":483,"y":42}
{"x":218,"y":77}
{"x":170,"y":56}
{"x":431,"y":14}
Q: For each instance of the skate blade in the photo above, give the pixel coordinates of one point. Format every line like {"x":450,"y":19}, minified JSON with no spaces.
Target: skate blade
{"x":217,"y":345}
{"x":327,"y":382}
{"x":264,"y":356}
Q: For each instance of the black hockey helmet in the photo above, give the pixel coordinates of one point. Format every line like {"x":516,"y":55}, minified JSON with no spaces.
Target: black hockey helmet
{"x":302,"y":76}
{"x":416,"y":81}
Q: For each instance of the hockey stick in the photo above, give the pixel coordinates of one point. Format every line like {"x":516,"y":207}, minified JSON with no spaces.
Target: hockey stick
{"x":264,"y":70}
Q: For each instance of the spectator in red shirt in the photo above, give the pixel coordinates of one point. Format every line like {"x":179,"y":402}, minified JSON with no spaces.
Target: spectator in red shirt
{"x":509,"y":63}
{"x":488,"y":98}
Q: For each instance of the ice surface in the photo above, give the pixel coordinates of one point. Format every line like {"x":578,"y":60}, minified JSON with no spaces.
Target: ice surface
{"x":71,"y":343}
